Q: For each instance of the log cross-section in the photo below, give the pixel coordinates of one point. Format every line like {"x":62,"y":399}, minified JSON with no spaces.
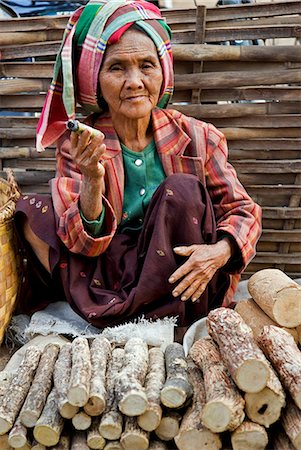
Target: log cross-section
{"x":48,"y":428}
{"x":244,"y":359}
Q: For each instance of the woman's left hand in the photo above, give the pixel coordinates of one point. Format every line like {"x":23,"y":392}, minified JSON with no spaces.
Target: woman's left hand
{"x":204,"y":260}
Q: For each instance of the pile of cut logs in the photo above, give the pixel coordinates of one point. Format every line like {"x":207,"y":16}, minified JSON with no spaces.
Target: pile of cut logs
{"x":231,"y":388}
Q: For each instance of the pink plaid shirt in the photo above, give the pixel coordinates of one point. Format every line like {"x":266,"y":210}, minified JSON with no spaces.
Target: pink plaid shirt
{"x":185,"y":145}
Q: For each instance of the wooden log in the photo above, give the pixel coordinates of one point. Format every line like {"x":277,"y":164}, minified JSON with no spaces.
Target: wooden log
{"x":100,"y":354}
{"x":37,"y":446}
{"x":256,"y":318}
{"x":283,"y":352}
{"x":48,"y":428}
{"x":40,"y":387}
{"x":131,"y":398}
{"x":224,"y":407}
{"x":61,"y":379}
{"x":81,"y":421}
{"x":18,"y":389}
{"x":281,"y":441}
{"x":193,"y":434}
{"x":78,"y":391}
{"x":111,"y":422}
{"x":291,"y":422}
{"x":169,"y":426}
{"x":277,"y":295}
{"x":113,"y":445}
{"x":17,"y":437}
{"x":265,"y":407}
{"x":94,"y":438}
{"x":64,"y":442}
{"x":245,"y":361}
{"x":176,"y":389}
{"x":249,"y":435}
{"x":79,"y":441}
{"x":154,"y":381}
{"x":133,"y":437}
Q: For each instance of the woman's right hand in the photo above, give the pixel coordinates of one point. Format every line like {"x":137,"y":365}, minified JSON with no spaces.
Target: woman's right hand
{"x":86,"y":153}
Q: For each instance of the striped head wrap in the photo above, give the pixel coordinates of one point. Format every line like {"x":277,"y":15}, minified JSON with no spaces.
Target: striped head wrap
{"x":89,"y":30}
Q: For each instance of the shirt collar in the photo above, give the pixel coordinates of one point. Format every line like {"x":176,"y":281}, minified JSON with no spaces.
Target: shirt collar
{"x":168,"y":136}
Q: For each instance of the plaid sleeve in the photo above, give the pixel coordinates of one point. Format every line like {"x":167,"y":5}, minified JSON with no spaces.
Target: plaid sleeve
{"x":236,"y":213}
{"x":65,"y":189}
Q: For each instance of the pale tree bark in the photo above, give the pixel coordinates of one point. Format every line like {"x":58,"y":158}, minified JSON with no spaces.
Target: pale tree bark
{"x":245,"y":361}
{"x":283,"y":352}
{"x":130,"y":394}
{"x":278,"y":295}
{"x":224,"y":408}
{"x":18,"y":389}
{"x":61,"y":380}
{"x":79,"y":441}
{"x":281,"y":441}
{"x":133,"y":437}
{"x":291,"y":422}
{"x":100,"y":355}
{"x":40,"y":387}
{"x":48,"y":428}
{"x":79,"y":386}
{"x":193,"y":434}
{"x":111,"y":422}
{"x":154,"y":381}
{"x":176,"y":389}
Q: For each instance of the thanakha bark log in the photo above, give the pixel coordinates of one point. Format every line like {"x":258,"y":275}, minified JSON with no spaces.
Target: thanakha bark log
{"x":224,"y":408}
{"x":245,"y":361}
{"x":283,"y":352}
{"x":18,"y":389}
{"x":133,"y":437}
{"x":113,"y":445}
{"x":169,"y":426}
{"x":278,"y":295}
{"x":130,"y":394}
{"x":64,"y":442}
{"x":18,"y":435}
{"x":256,"y":318}
{"x":48,"y":428}
{"x":291,"y":422}
{"x":193,"y":434}
{"x":100,"y":355}
{"x":176,"y":389}
{"x":40,"y":387}
{"x":94,"y":438}
{"x":61,"y":380}
{"x":154,"y":381}
{"x":265,"y":407}
{"x":79,"y":386}
{"x":79,"y":441}
{"x":249,"y":435}
{"x":111,"y":422}
{"x":81,"y":421}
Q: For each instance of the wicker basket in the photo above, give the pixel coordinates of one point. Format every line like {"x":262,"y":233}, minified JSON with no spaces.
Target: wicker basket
{"x":10,"y":273}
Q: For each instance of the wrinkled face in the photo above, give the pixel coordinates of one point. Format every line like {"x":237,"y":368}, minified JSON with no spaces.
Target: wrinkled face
{"x":131,"y":76}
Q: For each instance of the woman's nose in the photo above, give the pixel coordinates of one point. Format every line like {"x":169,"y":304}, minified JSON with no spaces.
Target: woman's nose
{"x":134,"y":79}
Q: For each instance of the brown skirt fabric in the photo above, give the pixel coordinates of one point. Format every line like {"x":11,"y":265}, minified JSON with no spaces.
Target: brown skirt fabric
{"x":131,"y":278}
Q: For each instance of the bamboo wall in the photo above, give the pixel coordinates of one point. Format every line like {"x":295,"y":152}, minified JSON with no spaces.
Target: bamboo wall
{"x":252,"y":93}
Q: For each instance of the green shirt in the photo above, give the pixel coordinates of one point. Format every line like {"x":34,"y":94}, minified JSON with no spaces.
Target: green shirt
{"x":143,"y":173}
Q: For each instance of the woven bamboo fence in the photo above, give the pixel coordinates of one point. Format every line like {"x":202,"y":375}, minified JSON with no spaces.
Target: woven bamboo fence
{"x":252,"y":93}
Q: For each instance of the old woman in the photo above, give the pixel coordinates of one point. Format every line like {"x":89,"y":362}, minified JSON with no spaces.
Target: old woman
{"x":146,"y":217}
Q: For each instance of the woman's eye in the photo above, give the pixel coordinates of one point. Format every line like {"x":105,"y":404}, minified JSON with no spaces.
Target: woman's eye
{"x":115,"y":68}
{"x":147,"y":66}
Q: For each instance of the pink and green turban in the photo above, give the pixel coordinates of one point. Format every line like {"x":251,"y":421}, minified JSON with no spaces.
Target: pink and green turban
{"x":88,"y":32}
